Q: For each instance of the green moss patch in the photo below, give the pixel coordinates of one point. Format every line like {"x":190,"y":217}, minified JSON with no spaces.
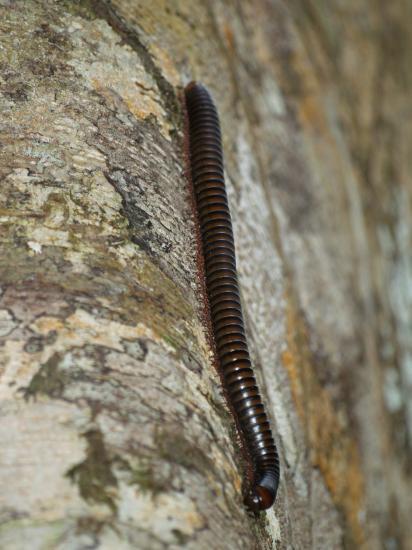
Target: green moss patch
{"x":94,"y":475}
{"x":49,"y":380}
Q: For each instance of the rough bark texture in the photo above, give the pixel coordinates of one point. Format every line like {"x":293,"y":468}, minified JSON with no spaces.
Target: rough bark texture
{"x":114,"y":430}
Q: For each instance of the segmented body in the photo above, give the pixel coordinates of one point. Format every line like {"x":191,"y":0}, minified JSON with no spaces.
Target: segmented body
{"x":206,"y":163}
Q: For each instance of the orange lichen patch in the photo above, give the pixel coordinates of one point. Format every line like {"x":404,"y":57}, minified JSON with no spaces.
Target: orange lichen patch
{"x":303,"y":85}
{"x":229,"y":36}
{"x":44,"y":325}
{"x":290,"y":364}
{"x":80,"y":328}
{"x":136,"y":111}
{"x":332,"y":448}
{"x":311,"y":114}
{"x":141,"y":107}
{"x":167,"y":63}
{"x":336,"y":455}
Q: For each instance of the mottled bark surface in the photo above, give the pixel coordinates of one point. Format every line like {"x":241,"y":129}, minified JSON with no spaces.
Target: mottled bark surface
{"x":114,"y":430}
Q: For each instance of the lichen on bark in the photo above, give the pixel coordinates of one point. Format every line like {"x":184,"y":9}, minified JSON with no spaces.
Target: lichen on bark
{"x":116,"y":428}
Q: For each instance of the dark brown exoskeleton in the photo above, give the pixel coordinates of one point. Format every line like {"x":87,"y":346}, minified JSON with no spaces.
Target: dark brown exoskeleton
{"x":206,"y":165}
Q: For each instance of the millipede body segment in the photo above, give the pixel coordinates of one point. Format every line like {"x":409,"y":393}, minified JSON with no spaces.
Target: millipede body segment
{"x":206,"y":164}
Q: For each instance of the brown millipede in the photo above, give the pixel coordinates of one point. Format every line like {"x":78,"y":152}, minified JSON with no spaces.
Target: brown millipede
{"x":206,"y":167}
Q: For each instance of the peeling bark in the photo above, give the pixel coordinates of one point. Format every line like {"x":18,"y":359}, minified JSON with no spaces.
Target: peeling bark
{"x":114,"y":427}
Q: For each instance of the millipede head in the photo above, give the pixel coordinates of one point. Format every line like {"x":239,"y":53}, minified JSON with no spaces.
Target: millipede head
{"x":259,"y":498}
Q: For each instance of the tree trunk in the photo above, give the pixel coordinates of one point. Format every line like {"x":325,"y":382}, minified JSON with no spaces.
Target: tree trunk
{"x":115,"y":432}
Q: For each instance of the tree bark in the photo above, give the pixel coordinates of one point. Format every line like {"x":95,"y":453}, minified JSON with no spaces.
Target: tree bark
{"x":115,"y":432}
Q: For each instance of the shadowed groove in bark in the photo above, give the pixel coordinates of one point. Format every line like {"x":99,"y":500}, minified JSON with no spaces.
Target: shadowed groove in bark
{"x":105,"y":10}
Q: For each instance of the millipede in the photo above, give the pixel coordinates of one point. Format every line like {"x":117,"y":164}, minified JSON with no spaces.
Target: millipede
{"x":222,"y":288}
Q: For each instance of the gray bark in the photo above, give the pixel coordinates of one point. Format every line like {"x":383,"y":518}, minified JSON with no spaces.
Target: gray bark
{"x":114,"y":429}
